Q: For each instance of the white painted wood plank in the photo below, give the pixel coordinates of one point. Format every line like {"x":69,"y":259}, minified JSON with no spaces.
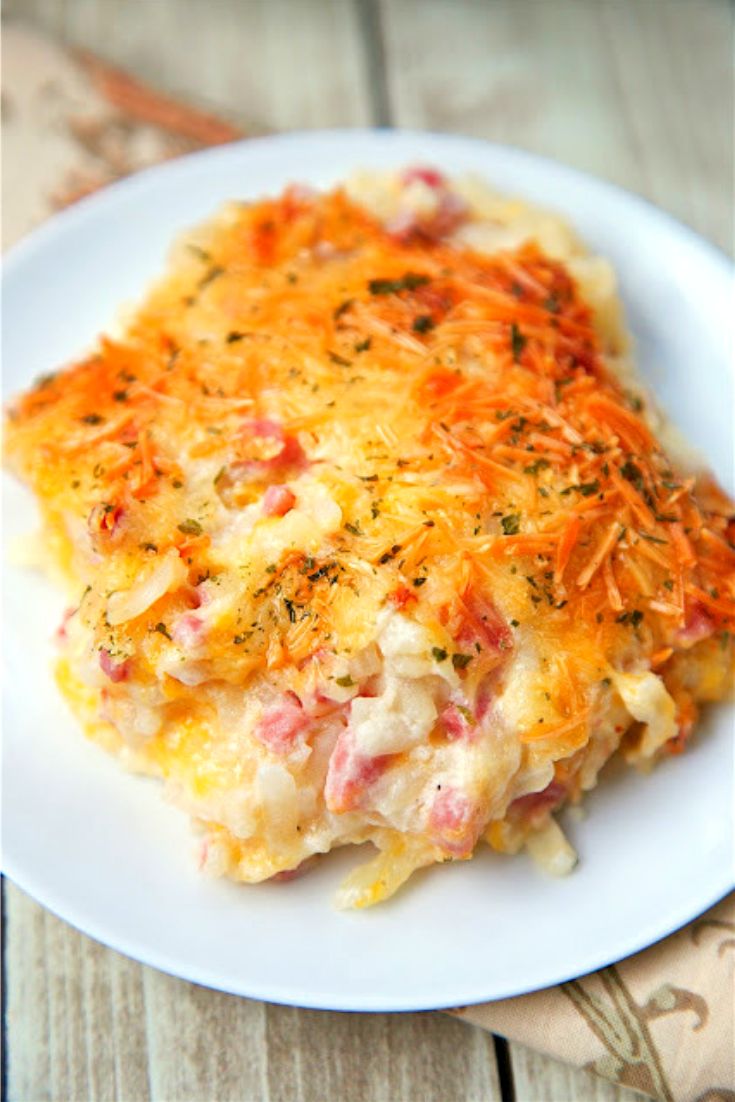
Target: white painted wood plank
{"x":318,"y":1055}
{"x":639,"y":93}
{"x":85,"y":1023}
{"x":676,"y":87}
{"x":537,"y":1078}
{"x":203,"y":1044}
{"x":274,"y":64}
{"x":75,"y":1021}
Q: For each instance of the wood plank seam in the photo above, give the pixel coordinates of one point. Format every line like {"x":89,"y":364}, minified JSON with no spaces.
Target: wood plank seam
{"x":374,"y":46}
{"x":505,"y":1068}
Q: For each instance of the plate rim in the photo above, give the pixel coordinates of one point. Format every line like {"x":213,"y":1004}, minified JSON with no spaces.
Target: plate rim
{"x":283,"y":995}
{"x":94,"y":205}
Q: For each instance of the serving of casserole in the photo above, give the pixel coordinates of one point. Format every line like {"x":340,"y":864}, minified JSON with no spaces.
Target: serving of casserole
{"x":371,"y":533}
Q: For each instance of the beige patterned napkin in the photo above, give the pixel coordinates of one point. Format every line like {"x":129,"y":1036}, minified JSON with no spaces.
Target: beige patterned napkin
{"x":660,"y":1022}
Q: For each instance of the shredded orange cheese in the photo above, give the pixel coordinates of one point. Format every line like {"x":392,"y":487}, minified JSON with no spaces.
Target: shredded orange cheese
{"x":315,"y":421}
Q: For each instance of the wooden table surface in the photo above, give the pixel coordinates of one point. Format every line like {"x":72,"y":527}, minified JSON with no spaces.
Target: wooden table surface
{"x":637,"y":91}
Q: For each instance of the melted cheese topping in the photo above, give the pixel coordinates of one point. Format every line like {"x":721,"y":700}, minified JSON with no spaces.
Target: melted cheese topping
{"x":370,"y":535}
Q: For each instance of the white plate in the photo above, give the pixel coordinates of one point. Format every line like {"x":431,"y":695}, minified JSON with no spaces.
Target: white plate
{"x":100,"y":847}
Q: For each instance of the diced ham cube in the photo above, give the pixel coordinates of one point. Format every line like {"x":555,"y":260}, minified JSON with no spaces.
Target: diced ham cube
{"x":116,"y":669}
{"x":457,"y":724}
{"x":537,"y":804}
{"x":281,"y":725}
{"x":277,"y":501}
{"x":350,"y":773}
{"x":198,"y":595}
{"x":454,"y":822}
{"x":263,"y":426}
{"x":483,"y":625}
{"x":285,"y":451}
{"x":189,"y":631}
{"x":485,"y":698}
{"x":425,"y":175}
{"x":698,"y":625}
{"x":291,"y":455}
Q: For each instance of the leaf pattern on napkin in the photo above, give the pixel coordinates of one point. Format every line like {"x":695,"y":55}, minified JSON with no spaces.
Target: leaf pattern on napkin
{"x":704,"y":924}
{"x":631,"y":1057}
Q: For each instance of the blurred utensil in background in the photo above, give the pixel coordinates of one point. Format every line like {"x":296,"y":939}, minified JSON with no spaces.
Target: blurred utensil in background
{"x":73,"y":123}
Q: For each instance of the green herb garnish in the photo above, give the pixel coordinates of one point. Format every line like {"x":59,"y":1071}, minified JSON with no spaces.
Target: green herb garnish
{"x":408,"y":282}
{"x":517,"y":342}
{"x":631,"y":473}
{"x":190,"y":527}
{"x":535,"y":467}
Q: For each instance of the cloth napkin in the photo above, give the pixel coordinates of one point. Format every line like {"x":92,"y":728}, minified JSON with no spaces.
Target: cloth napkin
{"x":660,"y":1022}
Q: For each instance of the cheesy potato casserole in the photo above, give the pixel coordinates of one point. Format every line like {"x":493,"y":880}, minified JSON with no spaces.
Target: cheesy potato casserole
{"x":370,"y":534}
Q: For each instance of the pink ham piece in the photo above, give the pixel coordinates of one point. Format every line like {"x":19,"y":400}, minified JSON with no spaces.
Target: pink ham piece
{"x":350,"y":773}
{"x":264,"y":427}
{"x":456,"y":724}
{"x":698,"y":625}
{"x":277,"y":501}
{"x":485,"y":698}
{"x":425,"y":175}
{"x":287,"y":452}
{"x":281,"y":725}
{"x":451,"y":210}
{"x":189,"y":631}
{"x":318,"y":704}
{"x":454,"y":822}
{"x":115,"y":669}
{"x":536,"y":804}
{"x":483,"y":625}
